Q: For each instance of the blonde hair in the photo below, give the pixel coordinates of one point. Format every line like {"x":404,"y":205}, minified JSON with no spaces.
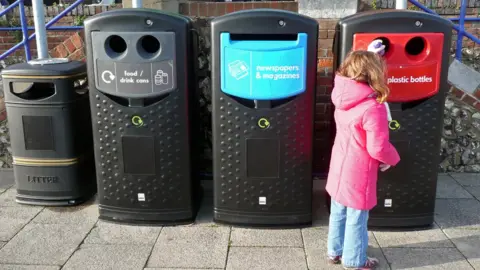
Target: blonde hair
{"x":367,"y":67}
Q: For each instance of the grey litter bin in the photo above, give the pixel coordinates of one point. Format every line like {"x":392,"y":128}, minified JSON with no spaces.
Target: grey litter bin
{"x":50,"y":128}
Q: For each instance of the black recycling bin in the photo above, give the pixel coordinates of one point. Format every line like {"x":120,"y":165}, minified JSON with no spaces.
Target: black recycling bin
{"x":417,"y":55}
{"x":143,"y":99}
{"x":263,"y":80}
{"x":51,"y":135}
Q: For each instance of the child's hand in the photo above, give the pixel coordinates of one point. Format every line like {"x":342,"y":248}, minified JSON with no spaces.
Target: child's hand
{"x":377,"y":47}
{"x":384,"y":167}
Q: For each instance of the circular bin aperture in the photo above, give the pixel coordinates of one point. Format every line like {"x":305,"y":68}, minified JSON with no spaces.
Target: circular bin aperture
{"x":50,"y":128}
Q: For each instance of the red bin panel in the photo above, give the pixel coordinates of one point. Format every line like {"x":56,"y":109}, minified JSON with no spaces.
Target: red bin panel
{"x":414,"y":62}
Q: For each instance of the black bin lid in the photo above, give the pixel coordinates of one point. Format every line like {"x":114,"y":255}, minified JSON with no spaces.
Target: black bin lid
{"x":52,"y":67}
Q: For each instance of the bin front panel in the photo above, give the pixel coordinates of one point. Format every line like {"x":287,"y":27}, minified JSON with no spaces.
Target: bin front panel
{"x":263,"y":69}
{"x":132,"y":74}
{"x":410,"y":77}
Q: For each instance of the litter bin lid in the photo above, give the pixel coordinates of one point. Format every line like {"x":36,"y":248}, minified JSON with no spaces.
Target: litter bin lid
{"x":59,"y":68}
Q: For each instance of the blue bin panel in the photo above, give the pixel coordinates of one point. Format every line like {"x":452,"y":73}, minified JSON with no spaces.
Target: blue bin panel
{"x":271,"y":70}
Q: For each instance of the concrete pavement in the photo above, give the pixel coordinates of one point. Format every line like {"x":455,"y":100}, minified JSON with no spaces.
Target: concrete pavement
{"x":44,"y":238}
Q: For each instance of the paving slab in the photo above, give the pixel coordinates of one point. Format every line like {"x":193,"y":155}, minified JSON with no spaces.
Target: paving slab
{"x":7,"y":179}
{"x":448,"y":188}
{"x":474,"y":190}
{"x":468,"y":243}
{"x":111,"y":233}
{"x":28,"y":267}
{"x":191,"y":247}
{"x":319,"y":207}
{"x":418,"y":238}
{"x":44,"y":244}
{"x":467,"y":179}
{"x":7,"y":198}
{"x":426,"y":258}
{"x":205,"y":213}
{"x":93,"y":257}
{"x":457,"y":213}
{"x":266,"y":238}
{"x":13,"y":219}
{"x":85,"y":213}
{"x":266,"y":258}
{"x":183,"y":268}
{"x":315,"y":240}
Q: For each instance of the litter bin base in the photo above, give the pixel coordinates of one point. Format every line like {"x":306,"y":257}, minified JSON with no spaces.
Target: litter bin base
{"x":137,"y":217}
{"x":32,"y":200}
{"x":262,"y":220}
{"x":401,"y":222}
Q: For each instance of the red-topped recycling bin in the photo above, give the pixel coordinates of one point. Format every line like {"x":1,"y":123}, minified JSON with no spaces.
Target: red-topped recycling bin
{"x":417,"y":56}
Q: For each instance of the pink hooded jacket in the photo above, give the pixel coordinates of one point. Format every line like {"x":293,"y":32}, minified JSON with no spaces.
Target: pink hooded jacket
{"x":361,"y":144}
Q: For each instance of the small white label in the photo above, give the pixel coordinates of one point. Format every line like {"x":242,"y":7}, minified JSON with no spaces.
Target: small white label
{"x":141,"y":197}
{"x":388,"y":202}
{"x":262,"y":200}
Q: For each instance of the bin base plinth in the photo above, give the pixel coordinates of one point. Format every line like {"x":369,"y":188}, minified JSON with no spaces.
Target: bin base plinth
{"x":136,"y":217}
{"x":262,"y":220}
{"x":38,"y":201}
{"x":400,"y":222}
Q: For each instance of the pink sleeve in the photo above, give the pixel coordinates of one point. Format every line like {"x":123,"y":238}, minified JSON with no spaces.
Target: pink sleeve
{"x":379,"y":147}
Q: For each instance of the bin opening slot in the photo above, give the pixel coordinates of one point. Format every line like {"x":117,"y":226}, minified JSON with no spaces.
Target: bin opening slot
{"x":32,"y":91}
{"x":81,"y":86}
{"x":412,"y":104}
{"x":263,"y":37}
{"x":136,"y":102}
{"x":263,"y":104}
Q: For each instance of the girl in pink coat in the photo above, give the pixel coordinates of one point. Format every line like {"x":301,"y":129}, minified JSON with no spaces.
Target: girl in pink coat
{"x":361,"y":148}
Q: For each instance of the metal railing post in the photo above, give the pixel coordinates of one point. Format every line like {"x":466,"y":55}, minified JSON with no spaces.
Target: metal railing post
{"x":40,"y":29}
{"x":24,"y":25}
{"x":461,"y":30}
{"x":137,"y":3}
{"x":401,"y":4}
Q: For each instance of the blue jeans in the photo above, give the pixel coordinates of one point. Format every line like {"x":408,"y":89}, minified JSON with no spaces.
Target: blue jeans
{"x":348,"y":235}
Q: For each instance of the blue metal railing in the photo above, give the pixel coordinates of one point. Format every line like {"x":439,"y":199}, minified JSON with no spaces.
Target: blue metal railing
{"x":24,"y":27}
{"x":460,"y":28}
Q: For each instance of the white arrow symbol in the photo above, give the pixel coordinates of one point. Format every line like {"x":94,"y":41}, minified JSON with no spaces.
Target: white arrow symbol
{"x":110,"y":78}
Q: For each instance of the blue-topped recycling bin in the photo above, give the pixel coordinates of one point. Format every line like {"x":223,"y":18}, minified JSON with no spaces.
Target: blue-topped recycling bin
{"x":263,"y":96}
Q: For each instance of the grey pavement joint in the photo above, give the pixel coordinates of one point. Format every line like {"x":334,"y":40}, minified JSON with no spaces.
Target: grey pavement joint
{"x":45,"y":244}
{"x":110,"y":233}
{"x":100,"y":257}
{"x":266,"y":238}
{"x":467,"y":179}
{"x":448,"y":188}
{"x":13,"y":219}
{"x":426,"y":258}
{"x":190,"y":247}
{"x":28,"y":267}
{"x":419,"y":238}
{"x":266,"y":258}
